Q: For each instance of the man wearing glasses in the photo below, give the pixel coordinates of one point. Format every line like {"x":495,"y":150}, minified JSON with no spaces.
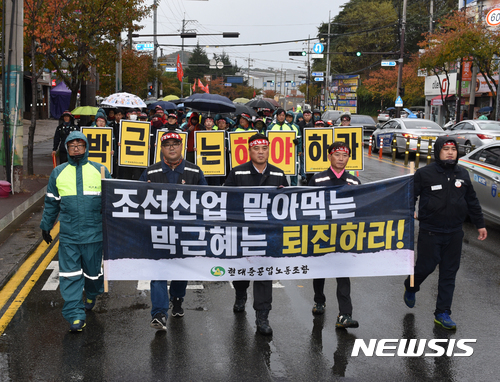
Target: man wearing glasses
{"x":74,"y":195}
{"x":172,"y":168}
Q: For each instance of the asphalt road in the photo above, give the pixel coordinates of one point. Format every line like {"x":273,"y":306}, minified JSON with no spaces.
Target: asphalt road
{"x":211,"y":343}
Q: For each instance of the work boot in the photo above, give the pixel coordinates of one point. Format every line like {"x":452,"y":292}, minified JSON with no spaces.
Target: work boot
{"x":239,"y":304}
{"x":77,"y":326}
{"x":89,"y":304}
{"x":262,"y":322}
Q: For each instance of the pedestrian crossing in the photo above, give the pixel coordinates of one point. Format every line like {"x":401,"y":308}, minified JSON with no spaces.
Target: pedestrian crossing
{"x":52,"y":282}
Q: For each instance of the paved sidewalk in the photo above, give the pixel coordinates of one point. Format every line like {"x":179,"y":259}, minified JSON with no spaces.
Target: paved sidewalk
{"x":20,"y":213}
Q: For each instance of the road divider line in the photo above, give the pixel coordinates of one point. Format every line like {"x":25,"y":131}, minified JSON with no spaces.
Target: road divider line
{"x":11,"y":286}
{"x":30,"y":283}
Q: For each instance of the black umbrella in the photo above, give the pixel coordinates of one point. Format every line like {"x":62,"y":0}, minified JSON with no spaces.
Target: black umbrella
{"x":214,"y":103}
{"x":240,"y":108}
{"x":164,"y":104}
{"x":260,"y":104}
{"x":485,"y":109}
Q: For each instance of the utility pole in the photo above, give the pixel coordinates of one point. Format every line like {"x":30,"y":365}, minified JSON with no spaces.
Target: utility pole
{"x":11,"y":144}
{"x":155,"y":44}
{"x":327,"y":74}
{"x":118,"y":68}
{"x":183,"y":31}
{"x":308,"y":78}
{"x":401,"y":56}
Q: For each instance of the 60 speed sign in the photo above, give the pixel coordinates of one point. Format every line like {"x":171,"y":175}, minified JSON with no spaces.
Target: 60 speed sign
{"x":493,"y":17}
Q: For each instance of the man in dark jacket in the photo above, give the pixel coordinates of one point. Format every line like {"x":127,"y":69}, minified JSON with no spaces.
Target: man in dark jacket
{"x":65,"y":127}
{"x":257,"y":172}
{"x":172,"y":169}
{"x":74,"y":196}
{"x":446,"y":198}
{"x":338,"y":154}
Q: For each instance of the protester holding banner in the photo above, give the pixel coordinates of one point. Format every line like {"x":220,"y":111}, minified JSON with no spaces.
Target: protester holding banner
{"x":282,"y":124}
{"x":115,"y":124}
{"x":256,"y":172}
{"x":338,"y":154}
{"x":446,"y":197}
{"x":306,"y":122}
{"x":244,"y":123}
{"x":74,"y":196}
{"x":192,"y":125}
{"x":172,"y":169}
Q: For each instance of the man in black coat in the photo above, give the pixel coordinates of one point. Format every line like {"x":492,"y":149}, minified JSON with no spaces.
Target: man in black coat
{"x":257,"y":172}
{"x":446,"y":198}
{"x":65,"y":127}
{"x":338,"y":154}
{"x":173,"y":168}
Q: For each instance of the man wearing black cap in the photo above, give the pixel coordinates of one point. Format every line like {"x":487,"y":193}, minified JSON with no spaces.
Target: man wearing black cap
{"x":338,"y":154}
{"x":172,"y":169}
{"x":256,"y":172}
{"x":446,"y":198}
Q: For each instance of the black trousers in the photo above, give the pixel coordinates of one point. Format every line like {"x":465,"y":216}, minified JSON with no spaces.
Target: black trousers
{"x":262,"y":293}
{"x":436,"y":249}
{"x":343,"y":294}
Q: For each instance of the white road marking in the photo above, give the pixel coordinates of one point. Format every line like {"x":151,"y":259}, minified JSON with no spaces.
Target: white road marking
{"x":52,"y":282}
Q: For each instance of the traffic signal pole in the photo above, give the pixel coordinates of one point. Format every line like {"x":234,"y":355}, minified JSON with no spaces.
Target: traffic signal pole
{"x":401,"y":56}
{"x":327,"y":74}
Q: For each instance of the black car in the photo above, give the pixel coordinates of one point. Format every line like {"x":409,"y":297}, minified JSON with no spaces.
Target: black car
{"x":369,"y":125}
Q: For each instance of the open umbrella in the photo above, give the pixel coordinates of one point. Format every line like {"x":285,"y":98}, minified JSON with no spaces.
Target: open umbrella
{"x":214,"y":103}
{"x":260,"y":104}
{"x":485,"y":109}
{"x":164,"y":104}
{"x":242,"y":100}
{"x":244,"y":109}
{"x":85,"y":110}
{"x":123,"y":100}
{"x":170,"y":97}
{"x":273,"y":101}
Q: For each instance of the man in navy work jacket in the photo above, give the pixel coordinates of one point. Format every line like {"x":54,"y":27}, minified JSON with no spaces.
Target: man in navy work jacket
{"x":446,"y":198}
{"x":74,"y":195}
{"x":257,"y":172}
{"x":173,"y":168}
{"x":338,"y":154}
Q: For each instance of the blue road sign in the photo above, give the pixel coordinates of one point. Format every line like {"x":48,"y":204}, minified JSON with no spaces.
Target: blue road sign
{"x":388,"y":63}
{"x":318,"y":48}
{"x":319,"y":78}
{"x":318,"y":74}
{"x":399,"y":102}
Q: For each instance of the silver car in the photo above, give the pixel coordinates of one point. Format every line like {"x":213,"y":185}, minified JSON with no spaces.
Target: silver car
{"x":403,"y":128}
{"x":483,"y":165}
{"x":474,"y":133}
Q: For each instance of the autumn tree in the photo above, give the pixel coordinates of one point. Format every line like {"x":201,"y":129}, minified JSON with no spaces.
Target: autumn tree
{"x":42,"y":32}
{"x":458,"y":35}
{"x":89,"y":29}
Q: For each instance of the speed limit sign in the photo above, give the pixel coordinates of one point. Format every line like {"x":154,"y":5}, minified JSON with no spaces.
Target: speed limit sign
{"x":493,"y":17}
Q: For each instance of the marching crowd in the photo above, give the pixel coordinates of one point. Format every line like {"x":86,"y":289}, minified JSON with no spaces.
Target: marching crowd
{"x":73,"y":196}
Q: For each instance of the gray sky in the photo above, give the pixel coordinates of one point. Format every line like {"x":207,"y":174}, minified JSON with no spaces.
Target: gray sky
{"x":257,"y":21}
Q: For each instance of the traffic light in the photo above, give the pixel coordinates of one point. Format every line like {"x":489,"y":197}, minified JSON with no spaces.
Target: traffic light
{"x":401,"y":92}
{"x":358,"y":54}
{"x":303,"y":53}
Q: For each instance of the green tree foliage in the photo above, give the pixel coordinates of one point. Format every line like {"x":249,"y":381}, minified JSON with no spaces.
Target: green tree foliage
{"x":197,"y":65}
{"x":352,"y":30}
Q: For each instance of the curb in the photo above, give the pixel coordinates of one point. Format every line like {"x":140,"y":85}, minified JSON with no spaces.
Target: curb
{"x":22,"y":208}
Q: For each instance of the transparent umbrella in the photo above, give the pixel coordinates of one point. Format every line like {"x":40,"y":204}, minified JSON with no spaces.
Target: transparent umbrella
{"x":123,"y":100}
